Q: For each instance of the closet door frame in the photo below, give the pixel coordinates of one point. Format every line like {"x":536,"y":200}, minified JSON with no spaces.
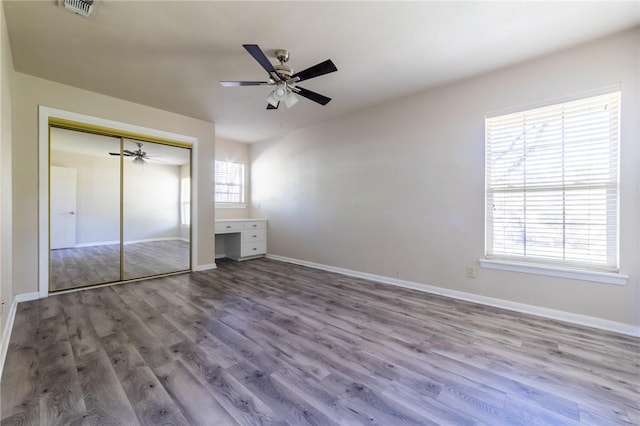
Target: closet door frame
{"x":75,"y":121}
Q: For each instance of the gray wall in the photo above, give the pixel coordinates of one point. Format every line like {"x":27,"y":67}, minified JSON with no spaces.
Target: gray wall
{"x":6,"y":136}
{"x":398,"y":189}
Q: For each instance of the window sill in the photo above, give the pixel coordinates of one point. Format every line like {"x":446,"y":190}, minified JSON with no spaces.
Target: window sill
{"x":230,"y":206}
{"x":576,"y":274}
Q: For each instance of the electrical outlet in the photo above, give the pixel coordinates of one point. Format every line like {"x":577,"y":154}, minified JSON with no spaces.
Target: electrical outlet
{"x":471,"y":272}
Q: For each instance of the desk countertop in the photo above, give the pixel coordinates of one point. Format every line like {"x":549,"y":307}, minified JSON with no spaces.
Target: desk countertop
{"x":240,"y":220}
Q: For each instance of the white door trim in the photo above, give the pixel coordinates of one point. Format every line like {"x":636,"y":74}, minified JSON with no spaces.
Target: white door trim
{"x":44,"y":114}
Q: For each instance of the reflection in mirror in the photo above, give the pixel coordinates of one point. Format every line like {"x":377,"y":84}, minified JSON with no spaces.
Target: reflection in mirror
{"x":84,"y":209}
{"x":156,"y":209}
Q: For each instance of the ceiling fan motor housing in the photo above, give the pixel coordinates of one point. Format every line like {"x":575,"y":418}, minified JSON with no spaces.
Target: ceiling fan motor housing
{"x":284,"y":71}
{"x":282,"y":55}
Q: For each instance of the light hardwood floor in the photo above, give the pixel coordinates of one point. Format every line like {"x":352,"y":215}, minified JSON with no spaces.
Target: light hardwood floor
{"x":265,"y":342}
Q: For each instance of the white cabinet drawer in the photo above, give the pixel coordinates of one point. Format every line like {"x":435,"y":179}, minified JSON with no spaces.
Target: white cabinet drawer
{"x":253,"y":235}
{"x":255,"y":224}
{"x":222,"y":227}
{"x":254,"y":249}
{"x":243,"y":238}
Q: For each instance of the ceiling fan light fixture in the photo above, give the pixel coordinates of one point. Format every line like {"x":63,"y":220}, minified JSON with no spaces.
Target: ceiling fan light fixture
{"x":291,"y":100}
{"x":280,"y":92}
{"x":272,"y":100}
{"x":139,"y":161}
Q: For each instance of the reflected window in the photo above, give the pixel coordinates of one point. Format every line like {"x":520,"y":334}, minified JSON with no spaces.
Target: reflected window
{"x":185,"y":202}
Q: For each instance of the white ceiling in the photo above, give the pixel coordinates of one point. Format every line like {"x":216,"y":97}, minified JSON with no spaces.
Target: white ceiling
{"x":171,"y":54}
{"x":100,"y":146}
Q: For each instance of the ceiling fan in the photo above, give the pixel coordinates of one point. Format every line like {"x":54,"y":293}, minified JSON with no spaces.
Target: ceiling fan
{"x":284,"y":79}
{"x":139,"y":156}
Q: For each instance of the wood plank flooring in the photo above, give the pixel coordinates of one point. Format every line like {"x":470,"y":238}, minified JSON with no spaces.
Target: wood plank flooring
{"x":84,"y":266}
{"x":266,"y":342}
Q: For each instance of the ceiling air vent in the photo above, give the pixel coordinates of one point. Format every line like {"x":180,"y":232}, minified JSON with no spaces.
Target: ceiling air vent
{"x":80,"y":7}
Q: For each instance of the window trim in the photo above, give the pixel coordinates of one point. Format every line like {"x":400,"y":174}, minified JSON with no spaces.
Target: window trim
{"x":221,"y":205}
{"x":539,"y":266}
{"x":555,"y":271}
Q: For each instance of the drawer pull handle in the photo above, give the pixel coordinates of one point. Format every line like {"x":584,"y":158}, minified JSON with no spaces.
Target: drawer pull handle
{"x":228,"y":226}
{"x":255,"y":236}
{"x":254,"y":225}
{"x":254,"y":249}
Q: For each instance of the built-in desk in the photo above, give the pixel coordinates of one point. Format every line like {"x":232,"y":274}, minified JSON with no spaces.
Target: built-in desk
{"x":244,"y":238}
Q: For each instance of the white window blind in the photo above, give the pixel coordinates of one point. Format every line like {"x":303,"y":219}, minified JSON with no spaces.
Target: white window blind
{"x":229,"y":182}
{"x":185,"y":201}
{"x":552,"y":184}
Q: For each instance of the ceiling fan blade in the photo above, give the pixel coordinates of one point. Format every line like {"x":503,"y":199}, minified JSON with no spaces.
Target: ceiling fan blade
{"x":269,"y":106}
{"x":154,"y":160}
{"x":126,"y":154}
{"x":243,"y":83}
{"x":257,"y":53}
{"x":316,"y":97}
{"x":315,"y":71}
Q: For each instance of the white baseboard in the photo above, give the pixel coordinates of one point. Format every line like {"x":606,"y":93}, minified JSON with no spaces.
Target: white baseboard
{"x":599,"y":323}
{"x":200,"y":268}
{"x":8,"y":327}
{"x":220,"y":256}
{"x":96,"y":244}
{"x":6,"y":333}
{"x":26,"y":297}
{"x":146,"y":240}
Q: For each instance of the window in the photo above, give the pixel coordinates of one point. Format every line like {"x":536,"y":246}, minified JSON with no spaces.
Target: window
{"x":552,"y":185}
{"x":185,"y":201}
{"x":229,"y":183}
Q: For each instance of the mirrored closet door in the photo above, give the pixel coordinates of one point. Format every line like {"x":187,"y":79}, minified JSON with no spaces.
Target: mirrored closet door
{"x":119,"y":209}
{"x":156,"y":210}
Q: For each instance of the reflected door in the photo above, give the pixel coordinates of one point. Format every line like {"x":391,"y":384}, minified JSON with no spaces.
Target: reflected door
{"x":63,"y":207}
{"x":156,"y":217}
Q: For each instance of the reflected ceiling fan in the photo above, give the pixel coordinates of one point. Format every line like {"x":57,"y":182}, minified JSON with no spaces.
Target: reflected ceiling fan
{"x":139,"y":156}
{"x":284,"y":79}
